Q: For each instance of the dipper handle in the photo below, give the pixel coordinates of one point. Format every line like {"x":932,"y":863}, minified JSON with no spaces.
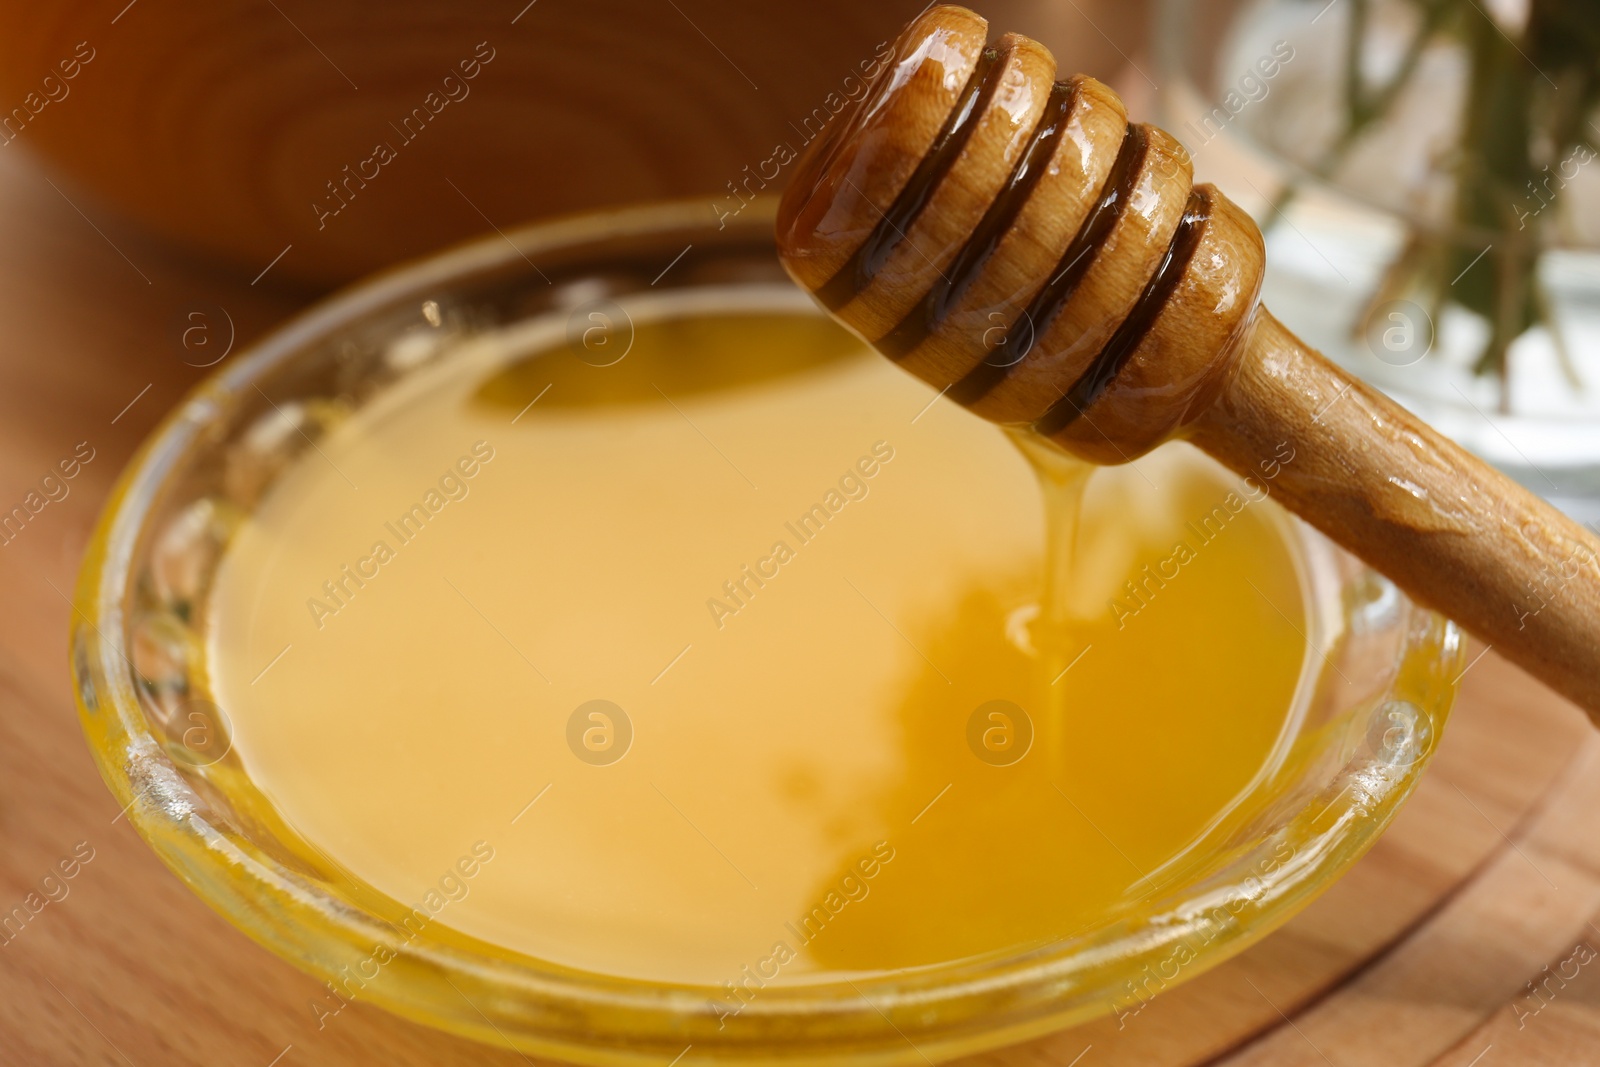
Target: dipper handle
{"x":1450,"y":530}
{"x":1019,"y":244}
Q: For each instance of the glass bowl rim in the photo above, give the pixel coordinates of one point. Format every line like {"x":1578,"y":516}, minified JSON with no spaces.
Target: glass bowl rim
{"x":952,"y":1008}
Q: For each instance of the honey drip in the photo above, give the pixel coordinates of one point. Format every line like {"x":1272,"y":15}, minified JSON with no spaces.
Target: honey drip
{"x":1057,"y":634}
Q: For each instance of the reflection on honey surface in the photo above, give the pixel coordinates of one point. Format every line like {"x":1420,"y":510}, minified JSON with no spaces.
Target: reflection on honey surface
{"x":735,"y":656}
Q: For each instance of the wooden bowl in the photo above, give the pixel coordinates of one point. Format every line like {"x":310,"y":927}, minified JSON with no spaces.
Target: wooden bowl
{"x":355,"y":135}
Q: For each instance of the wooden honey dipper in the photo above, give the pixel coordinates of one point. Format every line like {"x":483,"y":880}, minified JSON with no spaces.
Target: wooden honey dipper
{"x":1015,"y":241}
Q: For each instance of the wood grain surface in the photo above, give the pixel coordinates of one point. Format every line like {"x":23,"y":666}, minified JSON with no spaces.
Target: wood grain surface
{"x":1422,"y":955}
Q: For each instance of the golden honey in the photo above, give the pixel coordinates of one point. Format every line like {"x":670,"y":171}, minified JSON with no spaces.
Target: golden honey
{"x":744,"y":659}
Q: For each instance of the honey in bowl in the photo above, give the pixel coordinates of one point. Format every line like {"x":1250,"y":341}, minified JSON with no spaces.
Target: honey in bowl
{"x":731,"y":655}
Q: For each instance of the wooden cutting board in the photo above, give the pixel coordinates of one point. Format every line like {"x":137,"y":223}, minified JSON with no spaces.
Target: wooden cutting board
{"x":1421,"y":955}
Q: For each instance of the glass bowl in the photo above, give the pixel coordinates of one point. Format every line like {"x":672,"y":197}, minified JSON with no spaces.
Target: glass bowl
{"x":1373,"y":697}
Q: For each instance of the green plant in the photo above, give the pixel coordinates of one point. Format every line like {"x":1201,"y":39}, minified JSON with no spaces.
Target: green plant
{"x":1527,"y":126}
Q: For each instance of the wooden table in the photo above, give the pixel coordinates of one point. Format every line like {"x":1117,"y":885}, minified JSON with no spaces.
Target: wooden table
{"x":1421,"y":955}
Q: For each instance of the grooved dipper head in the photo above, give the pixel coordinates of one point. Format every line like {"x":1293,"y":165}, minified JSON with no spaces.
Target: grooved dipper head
{"x":1015,"y":240}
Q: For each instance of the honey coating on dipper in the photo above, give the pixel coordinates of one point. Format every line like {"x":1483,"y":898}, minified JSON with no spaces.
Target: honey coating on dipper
{"x":738,"y":661}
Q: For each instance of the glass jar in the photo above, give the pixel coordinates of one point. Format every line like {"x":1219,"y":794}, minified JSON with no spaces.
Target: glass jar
{"x":1424,"y":228}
